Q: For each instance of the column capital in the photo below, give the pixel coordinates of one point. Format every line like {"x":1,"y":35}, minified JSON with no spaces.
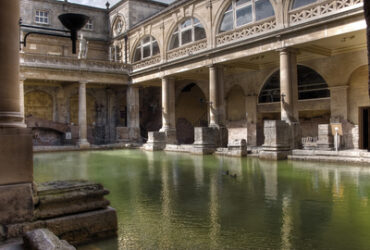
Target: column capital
{"x":288,"y":50}
{"x":168,"y":77}
{"x":22,"y":78}
{"x":83,"y":82}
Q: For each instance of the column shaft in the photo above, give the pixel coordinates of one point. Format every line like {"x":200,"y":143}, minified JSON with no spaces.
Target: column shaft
{"x":133,"y":107}
{"x":168,"y":104}
{"x":21,"y":98}
{"x":82,"y":116}
{"x":168,"y":109}
{"x":133,"y":113}
{"x":216,"y":96}
{"x":10,"y":115}
{"x":288,"y":86}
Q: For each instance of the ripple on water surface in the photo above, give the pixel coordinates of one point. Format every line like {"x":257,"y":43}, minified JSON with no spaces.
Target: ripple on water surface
{"x":181,"y":201}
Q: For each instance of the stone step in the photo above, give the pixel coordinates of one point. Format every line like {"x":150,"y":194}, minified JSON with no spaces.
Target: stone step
{"x":325,"y":158}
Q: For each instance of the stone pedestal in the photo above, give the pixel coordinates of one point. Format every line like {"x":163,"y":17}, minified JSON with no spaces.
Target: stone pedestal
{"x":156,"y":141}
{"x":75,"y":211}
{"x":325,"y":138}
{"x":205,"y":140}
{"x":16,"y":157}
{"x":277,"y":145}
{"x":237,"y":148}
{"x":125,"y":134}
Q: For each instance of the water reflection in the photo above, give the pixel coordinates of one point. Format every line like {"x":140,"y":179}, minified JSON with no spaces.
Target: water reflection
{"x":172,"y":201}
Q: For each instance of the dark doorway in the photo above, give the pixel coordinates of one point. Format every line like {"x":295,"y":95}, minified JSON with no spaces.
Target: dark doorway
{"x":364,"y":121}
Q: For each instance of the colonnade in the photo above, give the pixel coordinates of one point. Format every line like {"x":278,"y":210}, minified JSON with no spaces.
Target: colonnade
{"x":216,"y":103}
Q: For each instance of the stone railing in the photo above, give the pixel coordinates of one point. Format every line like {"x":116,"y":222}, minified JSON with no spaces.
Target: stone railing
{"x":146,"y":62}
{"x":187,"y":50}
{"x":246,"y":31}
{"x":320,"y":9}
{"x":71,"y":63}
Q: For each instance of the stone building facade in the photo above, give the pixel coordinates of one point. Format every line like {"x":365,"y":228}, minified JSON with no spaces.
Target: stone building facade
{"x":225,"y":66}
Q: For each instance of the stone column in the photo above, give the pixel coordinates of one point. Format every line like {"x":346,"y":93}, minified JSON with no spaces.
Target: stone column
{"x":216,"y":96}
{"x":217,"y":103}
{"x":288,"y":86}
{"x":168,"y":110}
{"x":21,"y":96}
{"x":251,"y":109}
{"x":82,"y":116}
{"x":133,"y":113}
{"x":289,"y":93}
{"x":16,"y":159}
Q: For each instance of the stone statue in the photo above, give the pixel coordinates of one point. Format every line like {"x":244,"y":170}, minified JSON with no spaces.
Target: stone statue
{"x":83,"y":47}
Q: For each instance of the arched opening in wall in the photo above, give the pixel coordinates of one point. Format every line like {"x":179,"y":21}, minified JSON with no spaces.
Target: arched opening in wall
{"x":91,"y":114}
{"x":359,"y":105}
{"x":191,"y":111}
{"x":150,"y":110}
{"x":313,"y":104}
{"x":38,"y":104}
{"x":235,"y":105}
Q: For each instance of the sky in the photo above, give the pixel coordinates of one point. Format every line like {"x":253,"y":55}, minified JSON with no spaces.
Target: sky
{"x":101,"y":3}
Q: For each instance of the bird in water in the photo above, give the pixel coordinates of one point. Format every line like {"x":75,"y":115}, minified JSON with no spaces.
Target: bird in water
{"x":228,"y":173}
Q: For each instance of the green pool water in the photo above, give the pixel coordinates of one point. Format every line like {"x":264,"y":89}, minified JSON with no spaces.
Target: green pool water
{"x":182,"y":201}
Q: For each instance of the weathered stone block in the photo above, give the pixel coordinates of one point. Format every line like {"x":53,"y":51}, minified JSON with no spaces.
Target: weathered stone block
{"x":277,"y":135}
{"x":69,"y":197}
{"x":205,"y":140}
{"x":85,"y":227}
{"x":19,"y":168}
{"x":237,"y":148}
{"x":278,"y":139}
{"x":156,"y":141}
{"x":325,"y":138}
{"x":16,"y":203}
{"x":171,"y":136}
{"x":126,"y":134}
{"x":44,"y":239}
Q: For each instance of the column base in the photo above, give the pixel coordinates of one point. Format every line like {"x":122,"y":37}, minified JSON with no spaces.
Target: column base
{"x":156,"y":141}
{"x":16,"y":157}
{"x":83,"y":144}
{"x":170,"y":134}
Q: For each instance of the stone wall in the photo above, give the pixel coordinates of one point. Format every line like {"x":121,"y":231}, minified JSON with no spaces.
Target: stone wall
{"x":357,"y":93}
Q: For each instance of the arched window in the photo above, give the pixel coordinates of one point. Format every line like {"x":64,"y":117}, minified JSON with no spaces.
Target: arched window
{"x":189,"y":31}
{"x":299,"y":3}
{"x":310,"y":86}
{"x":146,"y":48}
{"x":241,"y":12}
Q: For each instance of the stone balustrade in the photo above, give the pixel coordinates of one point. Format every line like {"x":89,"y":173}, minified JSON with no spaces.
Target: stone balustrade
{"x":71,"y":63}
{"x":320,"y":9}
{"x":246,"y":31}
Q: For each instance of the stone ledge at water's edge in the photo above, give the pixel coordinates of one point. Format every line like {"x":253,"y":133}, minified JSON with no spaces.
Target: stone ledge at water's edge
{"x":75,"y":211}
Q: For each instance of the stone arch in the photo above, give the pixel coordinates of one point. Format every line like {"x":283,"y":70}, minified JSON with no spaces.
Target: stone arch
{"x":357,"y":92}
{"x":136,"y":43}
{"x":90,"y":108}
{"x":39,"y":104}
{"x":191,"y":111}
{"x":317,"y":89}
{"x":235,"y":104}
{"x":173,"y":26}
